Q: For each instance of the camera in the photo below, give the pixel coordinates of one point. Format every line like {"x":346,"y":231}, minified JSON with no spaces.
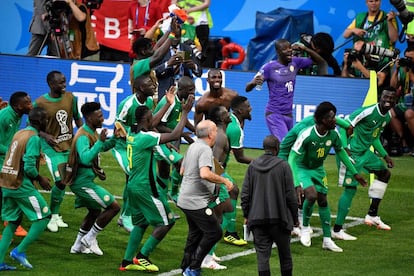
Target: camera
{"x":55,"y":9}
{"x":406,"y":62}
{"x":353,"y":55}
{"x":379,"y":51}
{"x":404,"y":15}
{"x":92,"y":4}
{"x":196,"y":52}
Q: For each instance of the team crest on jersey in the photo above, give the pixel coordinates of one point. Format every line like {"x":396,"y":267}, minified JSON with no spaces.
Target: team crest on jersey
{"x":170,"y":216}
{"x":209,"y":212}
{"x":328,"y":143}
{"x":45,"y":209}
{"x":348,"y":180}
{"x":291,"y":68}
{"x":171,"y":157}
{"x":106,"y":198}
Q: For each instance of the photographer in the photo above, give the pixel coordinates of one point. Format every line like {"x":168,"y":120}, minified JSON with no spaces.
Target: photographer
{"x":39,"y":27}
{"x":403,"y":114}
{"x":360,"y":60}
{"x":81,"y":33}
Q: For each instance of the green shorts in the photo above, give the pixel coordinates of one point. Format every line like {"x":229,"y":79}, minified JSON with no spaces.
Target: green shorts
{"x":162,"y":152}
{"x":222,"y":194}
{"x":34,"y":206}
{"x":53,"y":160}
{"x":313,"y":177}
{"x":145,"y":208}
{"x":90,"y":195}
{"x":367,"y":162}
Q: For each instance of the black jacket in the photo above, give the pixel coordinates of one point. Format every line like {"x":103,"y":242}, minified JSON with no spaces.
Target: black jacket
{"x":268,"y":195}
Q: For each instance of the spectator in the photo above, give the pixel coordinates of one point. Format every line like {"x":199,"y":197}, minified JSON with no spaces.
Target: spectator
{"x":84,"y":163}
{"x":280,"y":76}
{"x":323,"y":44}
{"x":270,"y":207}
{"x":20,"y":195}
{"x":179,"y":61}
{"x":3,"y":104}
{"x":198,"y":11}
{"x":368,"y":123}
{"x":217,"y":95}
{"x":198,"y":186}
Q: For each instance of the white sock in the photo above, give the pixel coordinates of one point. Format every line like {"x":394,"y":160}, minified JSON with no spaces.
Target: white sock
{"x":93,"y":232}
{"x":80,"y":235}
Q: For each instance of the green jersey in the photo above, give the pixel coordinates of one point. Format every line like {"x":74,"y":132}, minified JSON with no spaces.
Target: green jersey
{"x":368,"y":123}
{"x":126,"y":109}
{"x":141,"y":161}
{"x":313,"y":148}
{"x":172,"y":116}
{"x":141,"y":67}
{"x":235,"y":133}
{"x":9,"y":125}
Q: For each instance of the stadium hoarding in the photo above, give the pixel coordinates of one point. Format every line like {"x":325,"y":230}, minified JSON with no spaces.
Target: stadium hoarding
{"x":108,"y":83}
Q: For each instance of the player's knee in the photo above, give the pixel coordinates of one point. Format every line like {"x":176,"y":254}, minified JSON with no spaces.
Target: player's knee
{"x":384,"y":175}
{"x":377,"y":189}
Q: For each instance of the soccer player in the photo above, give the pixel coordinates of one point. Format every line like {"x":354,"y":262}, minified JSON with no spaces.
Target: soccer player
{"x":144,"y":88}
{"x":84,"y":166}
{"x":146,"y":203}
{"x":62,"y":108}
{"x":20,"y":196}
{"x":306,"y":160}
{"x":10,"y":120}
{"x":368,"y":123}
{"x":185,"y":88}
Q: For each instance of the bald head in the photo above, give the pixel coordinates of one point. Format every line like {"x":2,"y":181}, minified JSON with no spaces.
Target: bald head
{"x":204,"y":128}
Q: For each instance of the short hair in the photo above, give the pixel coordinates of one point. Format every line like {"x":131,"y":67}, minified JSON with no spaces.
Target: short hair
{"x":203,"y":128}
{"x":140,"y":44}
{"x":88,"y":108}
{"x":36,"y":115}
{"x":270,"y":143}
{"x":237,"y":101}
{"x":140,"y":113}
{"x":214,"y":114}
{"x":324,"y":42}
{"x":51,"y":75}
{"x":185,"y":80}
{"x":139,"y":80}
{"x":322,"y":110}
{"x":210,"y":71}
{"x":16,"y":97}
{"x":390,"y":89}
{"x":280,"y":42}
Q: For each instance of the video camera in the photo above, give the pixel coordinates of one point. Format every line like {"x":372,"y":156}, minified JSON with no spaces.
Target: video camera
{"x":55,"y":8}
{"x":405,"y":15}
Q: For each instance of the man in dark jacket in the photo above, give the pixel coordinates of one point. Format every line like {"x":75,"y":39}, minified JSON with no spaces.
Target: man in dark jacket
{"x":269,"y":205}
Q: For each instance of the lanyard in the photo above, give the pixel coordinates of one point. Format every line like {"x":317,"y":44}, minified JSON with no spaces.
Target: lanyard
{"x":146,"y":14}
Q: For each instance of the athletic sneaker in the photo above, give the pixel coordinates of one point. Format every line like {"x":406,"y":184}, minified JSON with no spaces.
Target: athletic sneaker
{"x":4,"y":267}
{"x":55,"y":222}
{"x":132,"y":267}
{"x":146,"y":264}
{"x":21,"y":258}
{"x":126,"y":222}
{"x":376,"y":221}
{"x":233,"y":238}
{"x":329,"y":244}
{"x":192,"y":272}
{"x":20,"y":231}
{"x":305,"y":236}
{"x":92,"y":245}
{"x":342,"y":235}
{"x":216,"y":258}
{"x":80,"y":249}
{"x":211,"y":264}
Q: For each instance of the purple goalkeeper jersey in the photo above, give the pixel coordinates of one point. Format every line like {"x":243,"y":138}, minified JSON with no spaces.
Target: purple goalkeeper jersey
{"x":281,"y":82}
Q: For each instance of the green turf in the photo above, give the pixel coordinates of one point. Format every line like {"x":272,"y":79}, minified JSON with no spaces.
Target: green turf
{"x":375,"y":252}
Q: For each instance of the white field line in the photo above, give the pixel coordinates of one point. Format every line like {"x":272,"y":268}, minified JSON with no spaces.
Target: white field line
{"x":316,"y":233}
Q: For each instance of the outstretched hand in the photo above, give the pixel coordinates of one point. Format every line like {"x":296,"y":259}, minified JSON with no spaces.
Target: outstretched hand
{"x":188,"y":104}
{"x":170,"y":95}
